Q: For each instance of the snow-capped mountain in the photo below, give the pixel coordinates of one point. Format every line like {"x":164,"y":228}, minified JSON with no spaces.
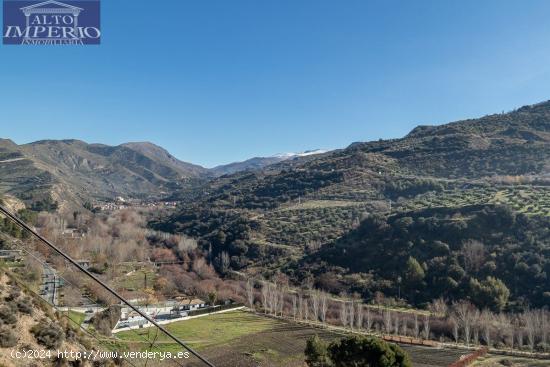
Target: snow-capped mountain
{"x":284,"y":156}
{"x":260,"y":162}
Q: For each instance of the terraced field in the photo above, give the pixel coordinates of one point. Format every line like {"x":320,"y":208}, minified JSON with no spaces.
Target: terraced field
{"x":310,"y":222}
{"x":300,"y":225}
{"x":531,"y":200}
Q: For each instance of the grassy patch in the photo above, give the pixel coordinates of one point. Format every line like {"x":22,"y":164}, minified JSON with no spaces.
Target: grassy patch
{"x":204,"y":332}
{"x":500,"y":361}
{"x":136,"y":279}
{"x":75,"y":318}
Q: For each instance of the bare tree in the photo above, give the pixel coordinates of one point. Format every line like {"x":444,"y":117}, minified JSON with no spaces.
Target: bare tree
{"x":187,"y":244}
{"x":315,"y":303}
{"x":543,"y":326}
{"x":269,"y":304}
{"x":344,"y":313}
{"x":368,"y":321}
{"x":426,"y":329}
{"x":396,"y":321}
{"x":387,"y":321}
{"x":404,"y":327}
{"x":265,"y":296}
{"x":294,"y":306}
{"x":473,"y":253}
{"x":281,"y":303}
{"x":463,"y":311}
{"x":300,"y":306}
{"x":324,"y":306}
{"x":506,"y":329}
{"x":359,"y":316}
{"x":476,"y":326}
{"x":486,"y":323}
{"x":519,"y":329}
{"x":351,"y":314}
{"x":520,"y":338}
{"x":250,"y":293}
{"x":530,"y":320}
{"x":416,"y":326}
{"x":273,"y":299}
{"x":456,"y":327}
{"x":512,"y":337}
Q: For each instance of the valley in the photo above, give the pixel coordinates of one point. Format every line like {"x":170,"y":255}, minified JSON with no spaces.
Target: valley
{"x":441,"y":237}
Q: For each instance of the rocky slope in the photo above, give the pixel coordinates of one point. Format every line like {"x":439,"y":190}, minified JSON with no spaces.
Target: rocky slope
{"x":75,"y":171}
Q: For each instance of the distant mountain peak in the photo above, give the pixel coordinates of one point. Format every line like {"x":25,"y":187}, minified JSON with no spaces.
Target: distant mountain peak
{"x":144,"y":146}
{"x":258,"y":163}
{"x":299,"y":154}
{"x":77,"y":171}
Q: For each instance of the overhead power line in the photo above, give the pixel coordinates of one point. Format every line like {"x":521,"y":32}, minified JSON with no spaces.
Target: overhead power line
{"x":67,"y":282}
{"x":25,"y":226}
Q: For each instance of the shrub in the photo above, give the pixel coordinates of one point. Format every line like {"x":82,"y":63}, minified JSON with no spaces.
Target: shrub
{"x":355,"y":351}
{"x":25,"y":305}
{"x":48,"y":334}
{"x":13,"y":295}
{"x":7,"y":315}
{"x":105,"y":321}
{"x":8,"y":338}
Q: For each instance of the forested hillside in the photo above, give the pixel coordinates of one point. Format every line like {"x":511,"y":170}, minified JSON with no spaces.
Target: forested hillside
{"x":400,"y":216}
{"x":484,"y":253}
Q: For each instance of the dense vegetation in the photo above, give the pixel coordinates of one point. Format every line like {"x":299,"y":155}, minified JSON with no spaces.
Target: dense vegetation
{"x":458,"y":211}
{"x":486,"y":254}
{"x":355,"y":351}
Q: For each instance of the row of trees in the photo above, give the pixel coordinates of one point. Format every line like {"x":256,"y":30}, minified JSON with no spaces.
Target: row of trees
{"x":527,"y":330}
{"x":281,"y":300}
{"x":459,"y":322}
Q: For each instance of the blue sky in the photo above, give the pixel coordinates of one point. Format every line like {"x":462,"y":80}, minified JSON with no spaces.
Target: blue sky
{"x":216,"y":81}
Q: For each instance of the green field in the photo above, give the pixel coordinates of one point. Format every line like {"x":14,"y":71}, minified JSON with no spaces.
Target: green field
{"x":75,"y":318}
{"x":205,"y":332}
{"x":244,"y":339}
{"x":130,"y":279}
{"x":233,"y":339}
{"x":500,"y":361}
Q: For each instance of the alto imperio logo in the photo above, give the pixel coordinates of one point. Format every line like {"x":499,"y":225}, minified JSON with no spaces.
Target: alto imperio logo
{"x":51,"y":22}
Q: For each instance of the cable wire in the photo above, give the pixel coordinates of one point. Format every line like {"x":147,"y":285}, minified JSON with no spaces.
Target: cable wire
{"x":134,"y":331}
{"x":25,"y":226}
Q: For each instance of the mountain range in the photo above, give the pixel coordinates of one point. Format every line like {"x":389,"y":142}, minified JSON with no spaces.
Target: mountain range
{"x":73,"y":171}
{"x":413,"y":203}
{"x":257,"y":163}
{"x":420,"y":200}
{"x":515,"y":143}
